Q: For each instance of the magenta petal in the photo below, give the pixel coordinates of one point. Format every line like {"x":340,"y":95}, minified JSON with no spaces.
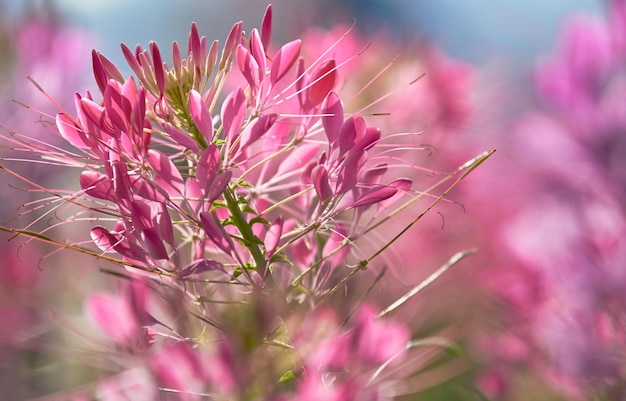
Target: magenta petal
{"x":272,"y":238}
{"x":369,"y":139}
{"x":378,"y":341}
{"x":375,"y":195}
{"x":218,"y":185}
{"x":194,"y":46}
{"x":284,"y":60}
{"x":167,"y":175}
{"x":193,"y":195}
{"x":164,"y":224}
{"x":257,"y":129}
{"x":200,"y":266}
{"x":98,"y":71}
{"x":154,"y":244}
{"x":96,"y":185}
{"x":141,"y":214}
{"x":319,"y":176}
{"x":233,"y":40}
{"x":97,"y":116}
{"x":121,"y":182}
{"x":70,"y":132}
{"x":332,"y":117}
{"x":266,"y":27}
{"x":113,"y":315}
{"x":216,"y":232}
{"x":147,"y":190}
{"x":372,"y":175}
{"x":348,"y":176}
{"x":351,"y":130}
{"x":103,"y":239}
{"x":117,"y":107}
{"x":159,"y":69}
{"x":321,"y":81}
{"x":131,"y":59}
{"x":181,"y":137}
{"x":208,"y":166}
{"x":200,"y":115}
{"x":402,"y":185}
{"x":298,"y":158}
{"x":258,"y":52}
{"x":233,"y":113}
{"x":248,"y":66}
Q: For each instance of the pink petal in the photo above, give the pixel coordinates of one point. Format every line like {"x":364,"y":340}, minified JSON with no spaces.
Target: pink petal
{"x":200,"y":115}
{"x":248,"y":67}
{"x":375,"y":195}
{"x":372,"y":175}
{"x":402,"y":185}
{"x":200,"y":266}
{"x":97,"y":116}
{"x":113,"y":316}
{"x":348,"y":176}
{"x":370,"y":137}
{"x":218,"y":185}
{"x":117,"y":107}
{"x":208,"y":166}
{"x":258,"y":52}
{"x":193,"y":194}
{"x":233,"y":40}
{"x":332,"y":116}
{"x":272,"y":237}
{"x":154,"y":244}
{"x":147,"y":189}
{"x":257,"y":129}
{"x":121,"y":182}
{"x":103,"y":239}
{"x":298,"y":158}
{"x":216,"y":232}
{"x":96,"y":185}
{"x":284,"y":60}
{"x":266,"y":27}
{"x":181,"y":137}
{"x":167,"y":175}
{"x":141,"y":215}
{"x":99,"y":71}
{"x":354,"y":127}
{"x":194,"y":46}
{"x":70,"y":131}
{"x":319,"y":176}
{"x":321,"y":81}
{"x":159,"y":69}
{"x":377,"y":340}
{"x":233,"y":113}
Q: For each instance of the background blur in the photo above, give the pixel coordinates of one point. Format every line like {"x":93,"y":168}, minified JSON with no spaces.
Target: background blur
{"x":502,"y":43}
{"x":479,"y":32}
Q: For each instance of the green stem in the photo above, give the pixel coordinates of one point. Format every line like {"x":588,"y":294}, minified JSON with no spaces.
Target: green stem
{"x":239,"y":220}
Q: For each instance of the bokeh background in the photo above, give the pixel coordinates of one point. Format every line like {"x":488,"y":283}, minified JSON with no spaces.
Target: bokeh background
{"x":542,"y":326}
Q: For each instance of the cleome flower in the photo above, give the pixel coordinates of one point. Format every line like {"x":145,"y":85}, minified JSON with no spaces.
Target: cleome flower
{"x":235,"y":193}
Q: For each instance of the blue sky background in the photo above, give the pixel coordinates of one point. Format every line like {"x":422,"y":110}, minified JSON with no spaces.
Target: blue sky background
{"x":477,"y":31}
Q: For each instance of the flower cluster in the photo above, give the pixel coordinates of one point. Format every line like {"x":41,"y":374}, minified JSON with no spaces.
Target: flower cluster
{"x":237,"y":199}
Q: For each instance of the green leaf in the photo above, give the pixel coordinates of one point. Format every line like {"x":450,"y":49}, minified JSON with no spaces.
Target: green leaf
{"x":288,"y":375}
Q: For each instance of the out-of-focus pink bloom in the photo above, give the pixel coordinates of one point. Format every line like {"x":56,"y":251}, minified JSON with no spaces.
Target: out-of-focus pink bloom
{"x":557,"y":241}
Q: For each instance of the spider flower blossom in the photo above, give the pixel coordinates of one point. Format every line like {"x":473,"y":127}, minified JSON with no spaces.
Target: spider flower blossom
{"x":236,"y":216}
